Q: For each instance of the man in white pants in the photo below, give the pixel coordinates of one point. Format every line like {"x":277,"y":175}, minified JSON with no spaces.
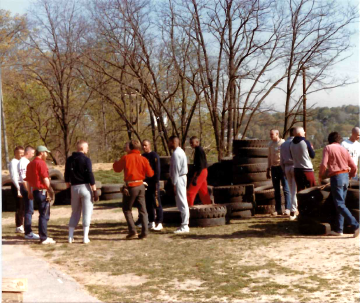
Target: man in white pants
{"x":287,"y":165}
{"x":24,"y":190}
{"x":353,"y":147}
{"x":178,"y":172}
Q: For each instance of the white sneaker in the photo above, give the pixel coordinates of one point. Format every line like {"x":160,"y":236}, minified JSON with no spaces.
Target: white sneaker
{"x":334,"y":233}
{"x":70,"y":240}
{"x":182,"y":230}
{"x":86,"y":241}
{"x":48,"y":241}
{"x":32,"y":236}
{"x":158,"y":227}
{"x":292,"y":218}
{"x":287,"y":212}
{"x":20,"y":230}
{"x":151,"y":225}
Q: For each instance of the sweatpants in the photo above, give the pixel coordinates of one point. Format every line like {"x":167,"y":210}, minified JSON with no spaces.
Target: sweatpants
{"x":137,"y":195}
{"x":19,"y":207}
{"x":200,"y":187}
{"x":181,"y":200}
{"x":81,"y":203}
{"x":304,"y":179}
{"x":290,"y":177}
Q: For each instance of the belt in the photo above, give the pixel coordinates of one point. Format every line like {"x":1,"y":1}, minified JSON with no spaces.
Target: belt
{"x":42,"y":189}
{"x":338,"y":173}
{"x":135,"y":181}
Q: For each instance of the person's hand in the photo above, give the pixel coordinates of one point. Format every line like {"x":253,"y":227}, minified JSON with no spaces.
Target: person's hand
{"x":194,"y":181}
{"x":96,"y":196}
{"x":30,"y":195}
{"x":268,"y":174}
{"x":19,"y":194}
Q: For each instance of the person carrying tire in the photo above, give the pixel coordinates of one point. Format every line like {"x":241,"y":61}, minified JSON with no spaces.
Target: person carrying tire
{"x":136,"y":168}
{"x":198,"y":177}
{"x":80,"y":178}
{"x":37,"y":176}
{"x":341,"y":168}
{"x":178,"y":172}
{"x":302,"y":152}
{"x":15,"y":189}
{"x":276,"y":173}
{"x":152,"y":193}
{"x":24,"y":190}
{"x":287,"y":165}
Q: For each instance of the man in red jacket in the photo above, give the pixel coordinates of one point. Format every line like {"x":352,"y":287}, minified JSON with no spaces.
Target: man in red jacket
{"x":135,"y":168}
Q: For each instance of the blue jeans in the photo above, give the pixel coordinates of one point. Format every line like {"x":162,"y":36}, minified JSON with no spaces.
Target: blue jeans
{"x":29,"y":209}
{"x":278,"y":176}
{"x":339,"y":185}
{"x":44,"y":212}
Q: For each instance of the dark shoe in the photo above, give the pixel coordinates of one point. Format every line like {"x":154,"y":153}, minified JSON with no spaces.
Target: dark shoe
{"x":131,"y":236}
{"x":142,"y":237}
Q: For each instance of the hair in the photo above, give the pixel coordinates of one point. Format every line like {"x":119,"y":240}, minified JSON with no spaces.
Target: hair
{"x":334,"y":137}
{"x":135,"y":144}
{"x":194,"y":138}
{"x":28,"y":148}
{"x":292,"y":131}
{"x":173,"y":138}
{"x":37,"y":153}
{"x":19,"y":147}
{"x":146,"y":140}
{"x":275,"y":130}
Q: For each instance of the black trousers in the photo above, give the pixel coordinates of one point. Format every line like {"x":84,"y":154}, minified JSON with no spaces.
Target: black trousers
{"x":152,"y":206}
{"x":19,"y":207}
{"x":137,"y":195}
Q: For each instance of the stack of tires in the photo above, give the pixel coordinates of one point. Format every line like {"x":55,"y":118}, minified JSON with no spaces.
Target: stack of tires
{"x":239,"y":200}
{"x":110,"y":192}
{"x":250,"y":162}
{"x":200,"y":215}
{"x":167,"y":188}
{"x":265,"y":200}
{"x":316,"y":211}
{"x":8,"y":200}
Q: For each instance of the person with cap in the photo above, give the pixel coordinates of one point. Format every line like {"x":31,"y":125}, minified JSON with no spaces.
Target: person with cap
{"x":352,"y":145}
{"x":198,"y":177}
{"x":152,"y":193}
{"x":178,"y":172}
{"x":79,"y":176}
{"x":136,"y":168}
{"x":37,"y":176}
{"x":276,"y":173}
{"x":340,"y":168}
{"x":287,"y":165}
{"x":15,"y":189}
{"x":24,"y":189}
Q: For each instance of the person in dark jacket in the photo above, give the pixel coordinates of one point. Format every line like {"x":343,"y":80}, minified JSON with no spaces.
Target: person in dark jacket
{"x":198,"y":175}
{"x":152,"y":193}
{"x":302,"y":152}
{"x":79,"y":175}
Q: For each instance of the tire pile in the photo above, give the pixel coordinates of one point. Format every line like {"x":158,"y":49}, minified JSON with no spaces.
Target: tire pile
{"x":317,"y":212}
{"x":265,"y":199}
{"x":110,"y":192}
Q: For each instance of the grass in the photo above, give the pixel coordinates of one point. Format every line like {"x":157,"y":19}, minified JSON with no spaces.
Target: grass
{"x":109,"y":177}
{"x":207,"y":264}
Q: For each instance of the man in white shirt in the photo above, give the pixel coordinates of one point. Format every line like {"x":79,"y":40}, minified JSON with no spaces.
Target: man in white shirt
{"x":28,"y":204}
{"x":15,"y":188}
{"x":353,"y":146}
{"x":178,"y":172}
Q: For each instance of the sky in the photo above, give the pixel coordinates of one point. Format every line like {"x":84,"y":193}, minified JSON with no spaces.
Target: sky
{"x":348,"y":95}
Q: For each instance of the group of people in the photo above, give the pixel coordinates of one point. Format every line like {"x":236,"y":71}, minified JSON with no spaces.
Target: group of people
{"x":290,"y":165}
{"x":31,"y":183}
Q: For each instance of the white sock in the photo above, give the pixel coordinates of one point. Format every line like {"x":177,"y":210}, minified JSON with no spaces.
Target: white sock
{"x":86,"y":232}
{"x":71,"y":232}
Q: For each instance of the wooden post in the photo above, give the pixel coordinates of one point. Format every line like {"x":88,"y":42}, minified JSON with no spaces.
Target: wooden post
{"x":13,"y":289}
{"x":304,"y":98}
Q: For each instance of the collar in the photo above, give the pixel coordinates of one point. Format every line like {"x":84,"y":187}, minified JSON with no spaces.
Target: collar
{"x":134,"y":151}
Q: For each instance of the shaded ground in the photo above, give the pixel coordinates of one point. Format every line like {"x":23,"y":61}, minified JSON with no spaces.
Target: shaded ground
{"x":262,"y":259}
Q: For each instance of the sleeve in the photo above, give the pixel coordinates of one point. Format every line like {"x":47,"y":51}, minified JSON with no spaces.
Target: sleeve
{"x":324,"y":162}
{"x":310,"y":149}
{"x":67,"y":170}
{"x":119,"y":165}
{"x":174,"y":172}
{"x":352,"y":165}
{"x":90,"y":172}
{"x":14,"y":174}
{"x":44,"y":172}
{"x":148,"y":170}
{"x":157,"y":168}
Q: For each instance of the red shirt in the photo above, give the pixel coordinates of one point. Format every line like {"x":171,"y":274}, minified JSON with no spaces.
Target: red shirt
{"x":36,"y":172}
{"x":337,"y":159}
{"x":135,"y":167}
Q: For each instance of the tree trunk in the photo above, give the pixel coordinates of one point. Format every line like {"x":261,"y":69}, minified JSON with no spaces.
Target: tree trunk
{"x":6,"y":150}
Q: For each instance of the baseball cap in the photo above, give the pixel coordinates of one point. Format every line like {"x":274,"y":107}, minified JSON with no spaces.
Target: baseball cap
{"x":42,"y":148}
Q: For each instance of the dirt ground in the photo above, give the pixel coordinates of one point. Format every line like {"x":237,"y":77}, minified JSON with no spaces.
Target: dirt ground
{"x":291,"y":268}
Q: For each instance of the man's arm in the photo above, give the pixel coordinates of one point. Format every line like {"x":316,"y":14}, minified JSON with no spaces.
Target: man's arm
{"x":14,"y":175}
{"x":352,"y":166}
{"x":157,"y":168}
{"x":148,"y":170}
{"x":174,"y":171}
{"x":91,"y":177}
{"x":119,"y":165}
{"x":310,"y":149}
{"x":323,"y":164}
